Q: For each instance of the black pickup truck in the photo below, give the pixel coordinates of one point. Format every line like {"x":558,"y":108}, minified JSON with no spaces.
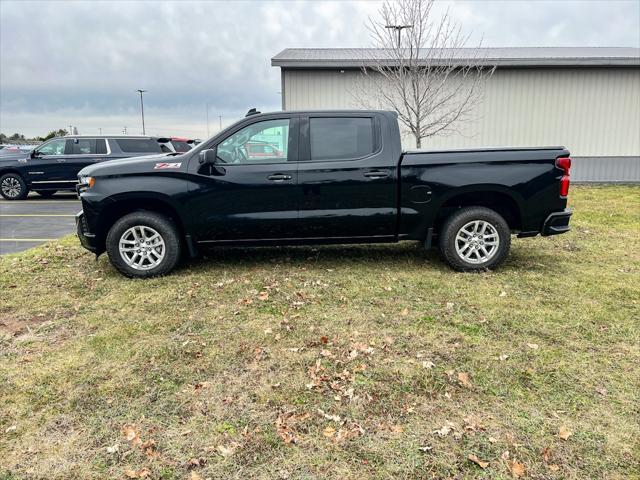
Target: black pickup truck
{"x":329,"y":177}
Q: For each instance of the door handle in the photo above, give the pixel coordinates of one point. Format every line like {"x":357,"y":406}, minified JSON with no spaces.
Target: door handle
{"x":376,"y":174}
{"x":278,"y":177}
{"x":61,"y":160}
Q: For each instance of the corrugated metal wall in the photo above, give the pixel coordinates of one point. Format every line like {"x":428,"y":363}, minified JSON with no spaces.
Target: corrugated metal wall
{"x":595,"y":112}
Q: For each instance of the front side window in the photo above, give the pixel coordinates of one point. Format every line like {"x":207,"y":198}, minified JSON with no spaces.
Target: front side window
{"x":248,"y":145}
{"x":54,"y":147}
{"x":341,"y":138}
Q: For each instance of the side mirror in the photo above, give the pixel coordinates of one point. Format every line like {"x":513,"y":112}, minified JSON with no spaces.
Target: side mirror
{"x":34,"y":153}
{"x":208,"y":157}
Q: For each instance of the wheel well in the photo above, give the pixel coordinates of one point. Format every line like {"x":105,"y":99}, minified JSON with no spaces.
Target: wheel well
{"x":499,"y":202}
{"x":4,"y":172}
{"x":119,"y":209}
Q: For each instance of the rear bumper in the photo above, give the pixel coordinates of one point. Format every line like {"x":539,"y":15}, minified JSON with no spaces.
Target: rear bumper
{"x":87,"y":239}
{"x":557,"y":223}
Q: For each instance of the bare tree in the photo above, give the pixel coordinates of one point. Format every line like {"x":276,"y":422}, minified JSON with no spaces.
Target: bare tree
{"x":421,"y":69}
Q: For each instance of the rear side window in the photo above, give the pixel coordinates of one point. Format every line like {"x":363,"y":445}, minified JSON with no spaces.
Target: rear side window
{"x":101,"y":146}
{"x":138,"y":145}
{"x":180,"y":146}
{"x":84,"y":146}
{"x":341,"y":138}
{"x":88,"y":146}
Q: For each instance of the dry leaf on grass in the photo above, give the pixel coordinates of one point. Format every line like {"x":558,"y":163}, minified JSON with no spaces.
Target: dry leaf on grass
{"x":195,"y":476}
{"x":602,"y":391}
{"x":132,"y":434}
{"x":149,"y":448}
{"x":328,"y":432}
{"x":445,"y":430}
{"x":348,"y":432}
{"x":564,"y":433}
{"x":131,"y":473}
{"x":516,"y":468}
{"x":533,"y":346}
{"x":463,"y":378}
{"x":227,"y":450}
{"x":481,"y":463}
{"x":285,"y":427}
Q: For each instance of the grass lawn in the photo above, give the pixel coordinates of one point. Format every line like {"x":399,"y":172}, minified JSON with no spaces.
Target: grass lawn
{"x":334,"y":362}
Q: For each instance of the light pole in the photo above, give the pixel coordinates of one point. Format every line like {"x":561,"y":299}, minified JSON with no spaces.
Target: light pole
{"x":398,"y":28}
{"x":142,"y":109}
{"x":207,"y":107}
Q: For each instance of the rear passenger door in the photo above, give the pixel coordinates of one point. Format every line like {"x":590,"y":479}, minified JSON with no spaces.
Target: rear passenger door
{"x":84,"y":152}
{"x":347,"y":177}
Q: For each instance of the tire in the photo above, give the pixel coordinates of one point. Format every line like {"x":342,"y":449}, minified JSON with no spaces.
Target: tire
{"x":156,"y":258}
{"x":46,"y":193}
{"x":468,"y":253}
{"x":13,"y":187}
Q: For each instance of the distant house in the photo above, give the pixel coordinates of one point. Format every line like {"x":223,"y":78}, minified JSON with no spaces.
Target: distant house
{"x":587,"y":99}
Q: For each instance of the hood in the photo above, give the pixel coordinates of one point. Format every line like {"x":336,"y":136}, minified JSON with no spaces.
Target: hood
{"x":13,"y":156}
{"x":134,"y":165}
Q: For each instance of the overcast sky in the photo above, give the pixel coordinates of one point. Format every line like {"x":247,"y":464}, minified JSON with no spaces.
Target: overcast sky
{"x":79,"y":62}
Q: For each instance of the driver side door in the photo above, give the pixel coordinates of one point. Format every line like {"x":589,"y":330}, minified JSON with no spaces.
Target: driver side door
{"x":47,"y":169}
{"x":247,"y":196}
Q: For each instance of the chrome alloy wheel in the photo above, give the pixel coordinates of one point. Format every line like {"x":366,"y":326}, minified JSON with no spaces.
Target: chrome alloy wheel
{"x":142,"y":247}
{"x":477,"y":242}
{"x":11,"y":187}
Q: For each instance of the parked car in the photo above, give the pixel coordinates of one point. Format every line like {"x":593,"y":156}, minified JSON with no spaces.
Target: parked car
{"x":14,"y":149}
{"x":175,"y":144}
{"x":54,"y":165}
{"x":343,"y":178}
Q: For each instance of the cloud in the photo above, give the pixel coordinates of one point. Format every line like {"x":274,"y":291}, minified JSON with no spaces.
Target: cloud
{"x":70,"y":62}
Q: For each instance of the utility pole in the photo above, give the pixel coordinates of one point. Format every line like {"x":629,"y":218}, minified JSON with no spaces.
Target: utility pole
{"x":142,"y":108}
{"x":398,"y":28}
{"x":220,"y":117}
{"x":124,"y":130}
{"x":207,"y":107}
{"x":100,"y":130}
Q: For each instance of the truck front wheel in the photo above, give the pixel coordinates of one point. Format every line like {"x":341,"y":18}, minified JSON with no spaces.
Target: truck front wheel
{"x":475,"y":238}
{"x":143,"y":244}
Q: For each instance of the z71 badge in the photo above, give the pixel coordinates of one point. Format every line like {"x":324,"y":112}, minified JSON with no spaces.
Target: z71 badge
{"x":160,"y":166}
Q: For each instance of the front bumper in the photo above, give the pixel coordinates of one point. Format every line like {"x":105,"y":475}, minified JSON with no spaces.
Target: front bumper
{"x":557,"y":223}
{"x":87,"y":239}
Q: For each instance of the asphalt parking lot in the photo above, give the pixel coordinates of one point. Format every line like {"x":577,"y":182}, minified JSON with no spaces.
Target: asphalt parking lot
{"x":27,"y":223}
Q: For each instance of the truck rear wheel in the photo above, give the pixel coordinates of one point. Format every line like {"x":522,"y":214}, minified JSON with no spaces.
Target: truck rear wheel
{"x":143,"y":244}
{"x":13,"y":187}
{"x":474,"y":239}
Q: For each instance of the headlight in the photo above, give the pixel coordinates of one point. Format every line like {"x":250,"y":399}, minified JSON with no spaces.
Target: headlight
{"x":86,"y":181}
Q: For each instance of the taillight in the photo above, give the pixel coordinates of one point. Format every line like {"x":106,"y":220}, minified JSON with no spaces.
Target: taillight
{"x":564,"y":164}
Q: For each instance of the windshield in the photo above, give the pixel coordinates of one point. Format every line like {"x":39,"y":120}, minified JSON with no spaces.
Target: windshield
{"x":207,"y":143}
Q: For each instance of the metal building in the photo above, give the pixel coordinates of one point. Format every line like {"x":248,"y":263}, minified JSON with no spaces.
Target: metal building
{"x":587,"y":99}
